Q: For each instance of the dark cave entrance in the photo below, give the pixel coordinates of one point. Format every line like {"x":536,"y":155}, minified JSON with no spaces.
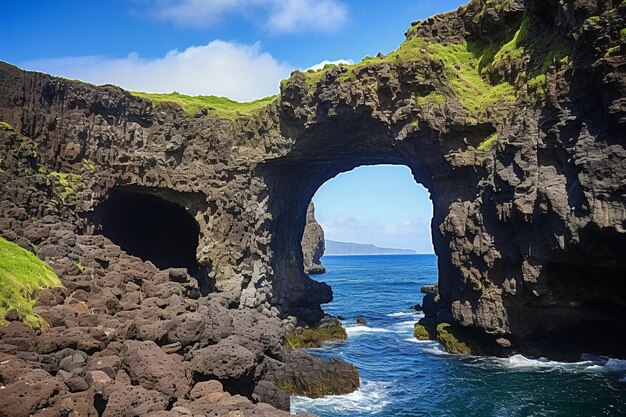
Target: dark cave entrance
{"x":149,"y":227}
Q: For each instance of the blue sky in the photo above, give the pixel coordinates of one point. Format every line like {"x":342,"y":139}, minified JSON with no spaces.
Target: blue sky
{"x":379,"y":204}
{"x":235,"y":48}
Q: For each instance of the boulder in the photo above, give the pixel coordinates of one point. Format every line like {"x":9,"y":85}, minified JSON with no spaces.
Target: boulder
{"x":154,"y":369}
{"x":304,"y":374}
{"x":268,"y":392}
{"x":224,"y":360}
{"x":32,"y":391}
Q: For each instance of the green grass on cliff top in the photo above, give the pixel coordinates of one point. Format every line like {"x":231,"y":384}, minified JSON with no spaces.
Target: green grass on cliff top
{"x":21,"y":275}
{"x":220,"y":106}
{"x":465,"y":64}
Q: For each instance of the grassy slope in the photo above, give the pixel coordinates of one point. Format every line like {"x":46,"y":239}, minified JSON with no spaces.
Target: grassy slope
{"x":468,"y":67}
{"x":221,"y":106}
{"x":21,"y":275}
{"x":465,"y":68}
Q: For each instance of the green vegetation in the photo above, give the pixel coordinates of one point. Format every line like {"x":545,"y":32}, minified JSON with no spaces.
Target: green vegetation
{"x":410,"y":49}
{"x":421,"y":332}
{"x":433,"y":98}
{"x":612,"y":51}
{"x":483,"y":76}
{"x":559,"y":53}
{"x":622,"y":35}
{"x":594,"y":18}
{"x":67,"y":181}
{"x":88,"y":165}
{"x":462,"y":63}
{"x":513,"y":49}
{"x":487,"y":144}
{"x":466,"y":67}
{"x":315,"y":336}
{"x":21,"y":275}
{"x":450,"y":342}
{"x":537,"y":88}
{"x":6,"y":126}
{"x":221,"y":106}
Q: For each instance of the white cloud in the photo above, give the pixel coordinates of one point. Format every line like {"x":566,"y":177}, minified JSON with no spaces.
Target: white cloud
{"x":327,"y":62}
{"x":415,"y":234}
{"x":240,"y":72}
{"x":279,"y":16}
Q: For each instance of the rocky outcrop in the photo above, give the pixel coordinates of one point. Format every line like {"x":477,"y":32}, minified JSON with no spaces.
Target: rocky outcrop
{"x":128,"y":339}
{"x":301,"y":374}
{"x":329,"y":329}
{"x":312,"y":243}
{"x":512,"y":113}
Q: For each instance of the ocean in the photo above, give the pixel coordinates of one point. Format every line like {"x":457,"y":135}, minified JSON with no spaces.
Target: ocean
{"x":403,"y":377}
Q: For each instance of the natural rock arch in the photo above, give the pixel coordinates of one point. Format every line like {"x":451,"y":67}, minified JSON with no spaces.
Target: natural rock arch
{"x":525,"y":166}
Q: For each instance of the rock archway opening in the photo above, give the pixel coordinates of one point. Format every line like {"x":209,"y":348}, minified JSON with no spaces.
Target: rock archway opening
{"x":150,"y":227}
{"x":394,"y":213}
{"x":370,"y":210}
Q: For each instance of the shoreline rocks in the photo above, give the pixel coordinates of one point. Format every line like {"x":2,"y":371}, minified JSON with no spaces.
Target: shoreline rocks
{"x":328,"y":329}
{"x":123,"y":332}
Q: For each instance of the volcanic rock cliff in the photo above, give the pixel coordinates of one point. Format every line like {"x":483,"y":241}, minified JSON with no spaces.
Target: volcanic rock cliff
{"x":512,"y":113}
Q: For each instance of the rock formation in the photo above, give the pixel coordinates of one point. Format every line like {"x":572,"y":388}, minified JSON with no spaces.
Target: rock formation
{"x":128,"y":339}
{"x":511,"y":112}
{"x":312,"y":243}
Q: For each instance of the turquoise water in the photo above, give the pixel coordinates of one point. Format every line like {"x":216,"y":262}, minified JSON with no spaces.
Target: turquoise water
{"x":401,"y":377}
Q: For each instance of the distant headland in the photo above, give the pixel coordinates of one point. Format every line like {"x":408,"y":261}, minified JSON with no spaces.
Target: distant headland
{"x":345,"y":248}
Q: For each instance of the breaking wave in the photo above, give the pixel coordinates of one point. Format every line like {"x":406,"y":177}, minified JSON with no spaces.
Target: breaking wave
{"x":371,"y":398}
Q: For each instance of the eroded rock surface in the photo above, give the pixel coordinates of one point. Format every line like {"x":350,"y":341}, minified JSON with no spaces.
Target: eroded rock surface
{"x":512,"y":114}
{"x":128,"y":339}
{"x":312,"y":243}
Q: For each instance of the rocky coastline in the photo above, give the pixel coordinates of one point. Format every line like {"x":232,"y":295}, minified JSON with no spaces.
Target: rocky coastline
{"x":124,"y":338}
{"x":512,"y":113}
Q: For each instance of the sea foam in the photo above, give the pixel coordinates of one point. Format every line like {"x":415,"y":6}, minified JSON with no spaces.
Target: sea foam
{"x":587,"y":364}
{"x":360,"y":329}
{"x":372,"y":397}
{"x":406,"y":314}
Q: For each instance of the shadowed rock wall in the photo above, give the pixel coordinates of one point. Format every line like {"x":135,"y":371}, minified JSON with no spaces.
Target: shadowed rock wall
{"x":511,"y":113}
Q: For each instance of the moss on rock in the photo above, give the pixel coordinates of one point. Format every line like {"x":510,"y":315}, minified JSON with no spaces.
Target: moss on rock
{"x":449,"y":340}
{"x":345,"y":382}
{"x":310,"y":376}
{"x":21,"y":275}
{"x":221,"y":106}
{"x":421,"y":332}
{"x":314,"y":337}
{"x":487,"y":144}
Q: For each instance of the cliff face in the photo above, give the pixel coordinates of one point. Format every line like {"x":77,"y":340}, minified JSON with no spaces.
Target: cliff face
{"x":313,"y":243}
{"x":512,"y":114}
